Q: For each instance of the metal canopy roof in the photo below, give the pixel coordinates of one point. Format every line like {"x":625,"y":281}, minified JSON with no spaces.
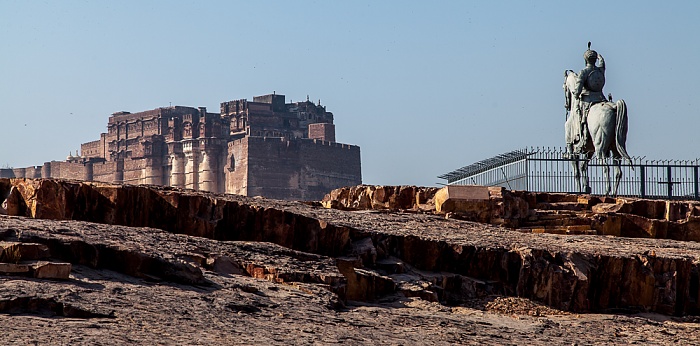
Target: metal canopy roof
{"x":484,"y":165}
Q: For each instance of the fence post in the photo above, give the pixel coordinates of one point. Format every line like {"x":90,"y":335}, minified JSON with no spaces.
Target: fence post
{"x":670,"y":182}
{"x":695,"y":180}
{"x":527,"y":173}
{"x":643,"y":180}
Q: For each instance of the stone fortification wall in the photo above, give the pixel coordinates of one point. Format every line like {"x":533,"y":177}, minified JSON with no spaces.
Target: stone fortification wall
{"x":7,"y":173}
{"x":105,"y":171}
{"x":328,"y":165}
{"x":236,"y":167}
{"x":71,"y":170}
{"x":19,"y":172}
{"x":25,"y":172}
{"x":322,"y":131}
{"x":32,"y":172}
{"x":273,"y":168}
{"x":94,"y":149}
{"x":265,"y":147}
{"x":133,"y":171}
{"x":299,"y":169}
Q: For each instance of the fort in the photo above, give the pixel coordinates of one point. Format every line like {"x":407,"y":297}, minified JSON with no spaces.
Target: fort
{"x":266,"y":147}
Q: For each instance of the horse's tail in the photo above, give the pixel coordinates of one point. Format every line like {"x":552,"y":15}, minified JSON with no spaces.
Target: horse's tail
{"x":621,"y":129}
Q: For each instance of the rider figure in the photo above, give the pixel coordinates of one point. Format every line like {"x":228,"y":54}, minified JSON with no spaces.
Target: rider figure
{"x":589,"y":87}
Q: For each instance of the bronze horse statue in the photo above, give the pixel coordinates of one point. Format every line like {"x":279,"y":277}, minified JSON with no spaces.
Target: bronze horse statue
{"x":607,"y":124}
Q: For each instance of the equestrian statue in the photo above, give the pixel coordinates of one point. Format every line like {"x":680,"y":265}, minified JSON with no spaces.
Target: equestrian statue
{"x":595,"y":126}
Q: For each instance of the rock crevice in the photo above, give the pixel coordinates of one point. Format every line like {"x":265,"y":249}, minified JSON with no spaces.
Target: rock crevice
{"x":377,"y":253}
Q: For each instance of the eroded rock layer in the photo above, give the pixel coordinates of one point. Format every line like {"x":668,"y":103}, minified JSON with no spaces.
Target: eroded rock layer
{"x":534,"y":212}
{"x":378,"y":253}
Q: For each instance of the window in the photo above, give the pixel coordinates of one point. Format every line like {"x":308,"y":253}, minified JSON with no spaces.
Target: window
{"x":231,"y":163}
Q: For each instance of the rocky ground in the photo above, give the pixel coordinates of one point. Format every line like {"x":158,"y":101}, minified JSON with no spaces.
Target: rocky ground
{"x":104,"y":306}
{"x":365,"y":277}
{"x":121,"y":309}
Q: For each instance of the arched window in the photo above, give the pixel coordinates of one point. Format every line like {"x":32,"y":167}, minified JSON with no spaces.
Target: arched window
{"x":231,"y":163}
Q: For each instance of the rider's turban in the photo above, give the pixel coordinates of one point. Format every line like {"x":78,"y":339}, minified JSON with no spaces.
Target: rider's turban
{"x":590,"y":56}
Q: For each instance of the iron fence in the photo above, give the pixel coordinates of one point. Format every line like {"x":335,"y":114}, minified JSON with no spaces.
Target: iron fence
{"x":552,"y":170}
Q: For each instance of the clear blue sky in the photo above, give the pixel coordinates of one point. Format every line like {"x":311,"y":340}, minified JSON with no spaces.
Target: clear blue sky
{"x":423,"y":87}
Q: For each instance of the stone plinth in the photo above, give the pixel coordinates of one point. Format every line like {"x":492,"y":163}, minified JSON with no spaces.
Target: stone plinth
{"x":463,"y":199}
{"x":52,"y":270}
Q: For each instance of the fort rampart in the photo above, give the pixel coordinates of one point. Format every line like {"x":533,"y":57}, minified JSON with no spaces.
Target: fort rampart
{"x":265,"y":147}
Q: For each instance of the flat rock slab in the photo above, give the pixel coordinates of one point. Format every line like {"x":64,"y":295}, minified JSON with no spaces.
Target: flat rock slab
{"x":14,"y":268}
{"x":16,"y":251}
{"x":51,"y":270}
{"x":464,"y":192}
{"x":464,"y":199}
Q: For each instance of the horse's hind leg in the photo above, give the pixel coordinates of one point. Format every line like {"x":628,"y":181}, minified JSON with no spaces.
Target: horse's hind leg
{"x":603,"y":157}
{"x":602,"y":138}
{"x":617,"y":161}
{"x":606,"y":177}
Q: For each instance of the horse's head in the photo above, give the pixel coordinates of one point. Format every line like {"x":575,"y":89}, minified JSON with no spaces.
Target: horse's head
{"x":569,"y":87}
{"x":570,"y":80}
{"x":567,"y":94}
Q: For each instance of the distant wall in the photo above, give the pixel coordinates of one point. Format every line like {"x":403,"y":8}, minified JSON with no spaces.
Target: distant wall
{"x":7,"y":173}
{"x":104,"y":171}
{"x":236,"y":167}
{"x":322,"y":131}
{"x":70,"y":170}
{"x":95,"y":148}
{"x":300,"y":169}
{"x":262,"y":147}
{"x":273,"y":168}
{"x":27,"y":172}
{"x":133,"y":171}
{"x":328,"y":165}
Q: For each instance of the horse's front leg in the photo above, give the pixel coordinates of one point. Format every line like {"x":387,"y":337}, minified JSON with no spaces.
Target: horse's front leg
{"x":618,"y":176}
{"x":585,"y":184}
{"x":575,"y":166}
{"x":577,"y":176}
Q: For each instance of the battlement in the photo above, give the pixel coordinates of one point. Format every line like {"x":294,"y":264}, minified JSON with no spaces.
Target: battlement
{"x":330,"y":144}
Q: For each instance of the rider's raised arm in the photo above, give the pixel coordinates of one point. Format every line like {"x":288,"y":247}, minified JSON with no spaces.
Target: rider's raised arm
{"x":601,"y":64}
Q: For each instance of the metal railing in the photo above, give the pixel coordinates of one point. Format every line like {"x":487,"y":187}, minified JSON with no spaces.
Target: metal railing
{"x":552,"y":170}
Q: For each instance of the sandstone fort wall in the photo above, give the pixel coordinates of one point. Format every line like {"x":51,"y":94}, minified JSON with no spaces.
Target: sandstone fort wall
{"x":236,"y":168}
{"x":265,"y":147}
{"x":302,"y":169}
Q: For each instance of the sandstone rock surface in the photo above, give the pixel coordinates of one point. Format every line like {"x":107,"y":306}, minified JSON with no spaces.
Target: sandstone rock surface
{"x":188,"y":267}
